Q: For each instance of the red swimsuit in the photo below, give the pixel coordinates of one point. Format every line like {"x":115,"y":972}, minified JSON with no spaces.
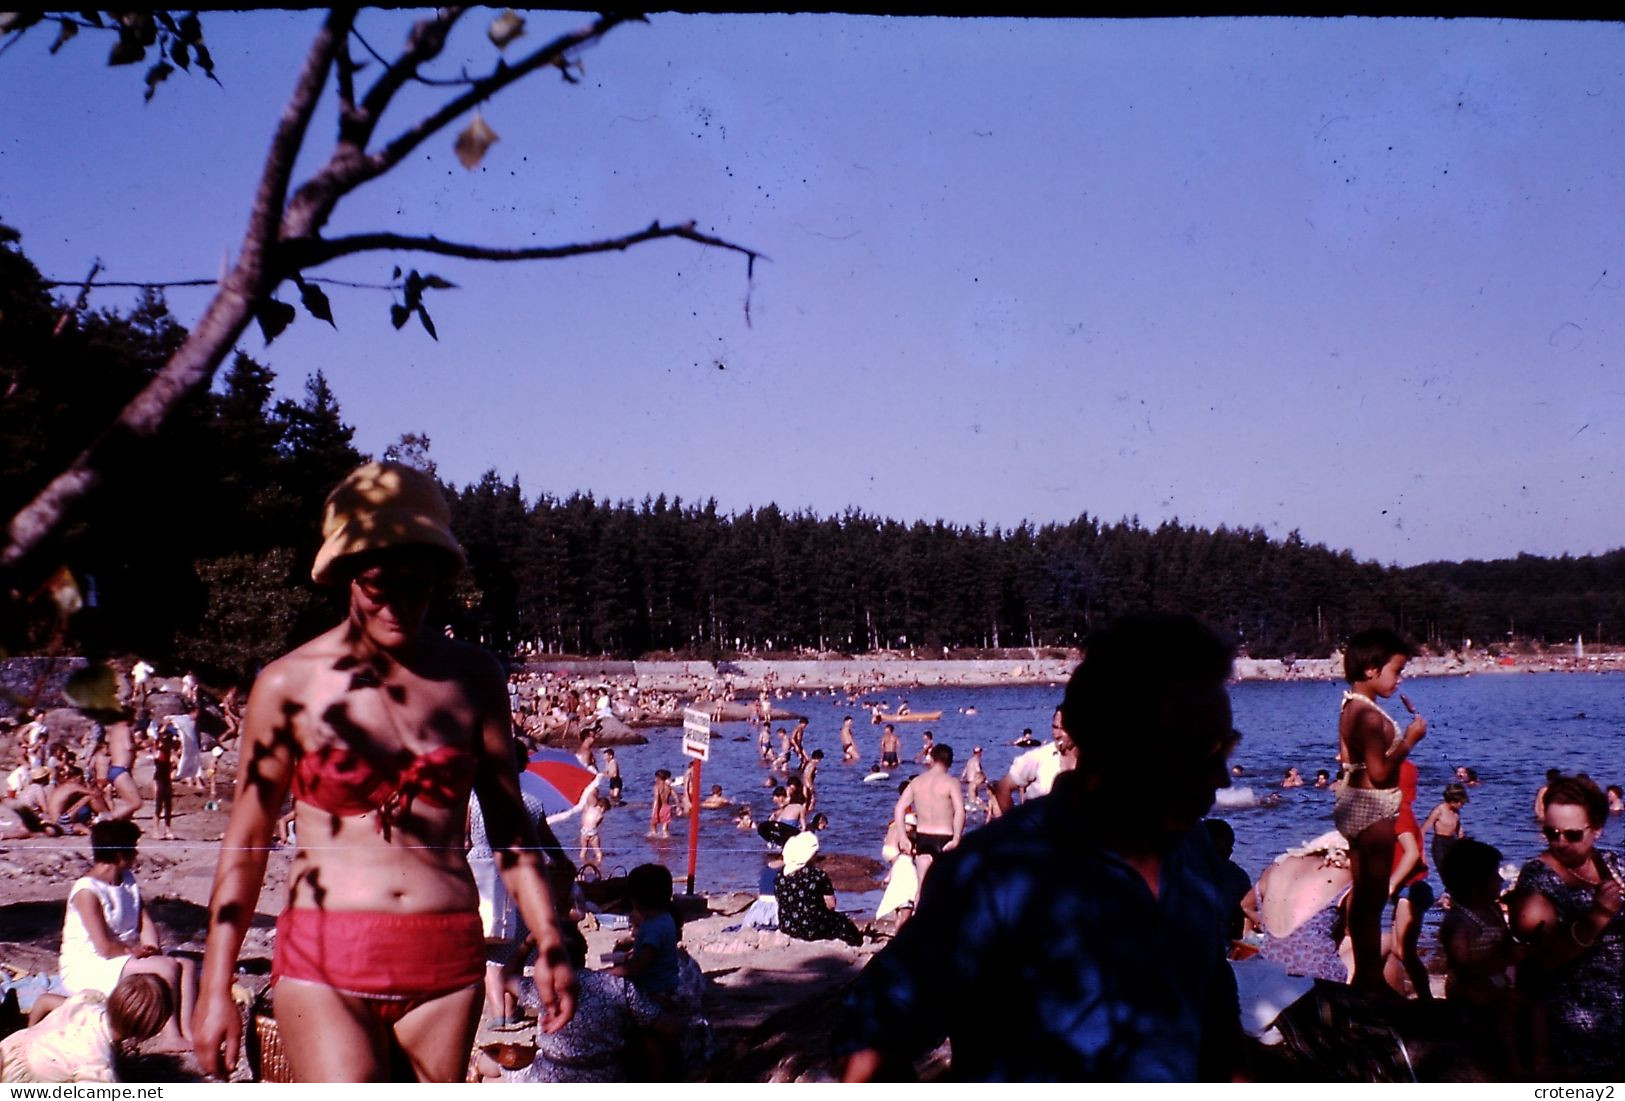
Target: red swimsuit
{"x":396,"y":961}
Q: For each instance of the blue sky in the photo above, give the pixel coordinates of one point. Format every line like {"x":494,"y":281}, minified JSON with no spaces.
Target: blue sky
{"x":1358,"y":277}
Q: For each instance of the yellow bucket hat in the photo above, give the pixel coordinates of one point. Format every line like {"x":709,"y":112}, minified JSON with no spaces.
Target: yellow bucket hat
{"x":381,"y":505}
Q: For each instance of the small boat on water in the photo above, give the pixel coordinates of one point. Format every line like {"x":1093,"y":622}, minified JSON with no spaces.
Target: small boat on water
{"x":909,"y":717}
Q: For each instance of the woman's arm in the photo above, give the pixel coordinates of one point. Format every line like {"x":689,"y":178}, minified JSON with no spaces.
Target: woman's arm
{"x":149,"y":935}
{"x":264,"y":771}
{"x":1554,"y":943}
{"x":515,"y":846}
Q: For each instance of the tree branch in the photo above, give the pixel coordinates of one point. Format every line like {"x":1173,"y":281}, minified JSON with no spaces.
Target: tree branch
{"x":193,"y":364}
{"x":433,"y":82}
{"x":486,"y":87}
{"x":313,"y":254}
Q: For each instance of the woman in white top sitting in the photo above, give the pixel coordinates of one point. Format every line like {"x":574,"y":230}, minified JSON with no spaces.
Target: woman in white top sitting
{"x":106,"y":934}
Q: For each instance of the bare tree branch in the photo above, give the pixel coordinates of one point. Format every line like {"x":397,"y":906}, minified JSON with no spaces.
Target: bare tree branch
{"x":320,"y":252}
{"x":433,"y":82}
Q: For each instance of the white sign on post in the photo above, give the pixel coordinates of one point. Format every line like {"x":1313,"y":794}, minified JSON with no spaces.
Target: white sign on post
{"x":696,"y":734}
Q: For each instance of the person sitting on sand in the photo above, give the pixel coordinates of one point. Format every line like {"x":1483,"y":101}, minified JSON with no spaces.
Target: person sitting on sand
{"x":72,"y":803}
{"x":81,"y":1039}
{"x":807,"y":898}
{"x":107,"y":933}
{"x":603,"y":1042}
{"x":1371,"y":748}
{"x":1296,"y":905}
{"x":654,"y":961}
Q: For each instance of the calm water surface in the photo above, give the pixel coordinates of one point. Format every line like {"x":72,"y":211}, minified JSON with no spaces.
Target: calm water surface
{"x":1510,"y":728}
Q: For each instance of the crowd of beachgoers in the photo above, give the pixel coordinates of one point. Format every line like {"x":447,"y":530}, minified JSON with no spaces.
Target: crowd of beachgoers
{"x":86,"y":776}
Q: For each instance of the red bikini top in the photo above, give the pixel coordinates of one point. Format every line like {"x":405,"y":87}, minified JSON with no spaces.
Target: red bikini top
{"x":343,"y":782}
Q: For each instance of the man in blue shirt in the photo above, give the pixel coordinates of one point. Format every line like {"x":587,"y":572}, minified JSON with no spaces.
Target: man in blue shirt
{"x":1082,"y":936}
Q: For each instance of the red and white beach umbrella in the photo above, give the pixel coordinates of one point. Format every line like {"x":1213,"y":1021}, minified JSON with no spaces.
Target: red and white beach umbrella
{"x":561,"y":782}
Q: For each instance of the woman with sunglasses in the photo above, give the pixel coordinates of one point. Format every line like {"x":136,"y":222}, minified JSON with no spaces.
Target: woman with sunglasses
{"x":380,"y":729}
{"x":1567,"y":910}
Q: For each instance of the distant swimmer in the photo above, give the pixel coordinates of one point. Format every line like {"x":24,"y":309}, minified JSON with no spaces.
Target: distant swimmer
{"x":849,"y":742}
{"x":890,"y":748}
{"x":1292,"y":778}
{"x":1026,"y":740}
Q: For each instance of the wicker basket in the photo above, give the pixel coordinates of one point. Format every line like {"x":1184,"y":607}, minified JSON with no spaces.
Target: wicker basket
{"x":269,"y":1058}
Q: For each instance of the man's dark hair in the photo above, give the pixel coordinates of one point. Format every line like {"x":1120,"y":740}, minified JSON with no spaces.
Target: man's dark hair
{"x":1126,"y":667}
{"x":1371,"y":649}
{"x":1579,"y":791}
{"x":943,"y":752}
{"x":112,"y":840}
{"x":1222,"y":835}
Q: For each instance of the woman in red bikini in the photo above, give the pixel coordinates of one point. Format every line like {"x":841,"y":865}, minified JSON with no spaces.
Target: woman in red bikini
{"x":380,"y":730}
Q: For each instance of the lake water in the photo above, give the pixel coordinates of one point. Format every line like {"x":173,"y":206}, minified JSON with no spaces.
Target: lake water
{"x":1510,"y":728}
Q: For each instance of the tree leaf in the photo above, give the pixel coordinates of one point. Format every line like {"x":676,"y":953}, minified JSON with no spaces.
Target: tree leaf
{"x":274,"y":316}
{"x":92,"y":17}
{"x":398,"y":314}
{"x":395,"y":273}
{"x":428,"y":326}
{"x":191,"y":30}
{"x":69,"y":29}
{"x":437,"y":283}
{"x":316,"y":303}
{"x":127,"y":50}
{"x":472,"y":143}
{"x":155,"y":76}
{"x":204,"y":61}
{"x":505,"y":28}
{"x":413,"y":290}
{"x":167,"y":20}
{"x":180,"y":55}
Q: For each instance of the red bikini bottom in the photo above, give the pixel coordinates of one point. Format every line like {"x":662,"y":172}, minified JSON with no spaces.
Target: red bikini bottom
{"x":395,"y":961}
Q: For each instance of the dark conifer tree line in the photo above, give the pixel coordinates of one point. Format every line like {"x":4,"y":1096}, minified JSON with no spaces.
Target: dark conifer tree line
{"x":201,"y":555}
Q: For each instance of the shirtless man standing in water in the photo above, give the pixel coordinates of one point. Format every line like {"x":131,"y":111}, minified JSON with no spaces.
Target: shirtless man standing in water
{"x":849,"y":744}
{"x":121,"y":758}
{"x":939,"y":807}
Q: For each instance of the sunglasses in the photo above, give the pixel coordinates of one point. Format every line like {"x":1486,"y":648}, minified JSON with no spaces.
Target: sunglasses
{"x":1573,"y":837}
{"x":395,"y":586}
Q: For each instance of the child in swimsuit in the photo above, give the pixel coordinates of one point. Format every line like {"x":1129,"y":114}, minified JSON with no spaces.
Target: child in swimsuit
{"x":1370,"y":748}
